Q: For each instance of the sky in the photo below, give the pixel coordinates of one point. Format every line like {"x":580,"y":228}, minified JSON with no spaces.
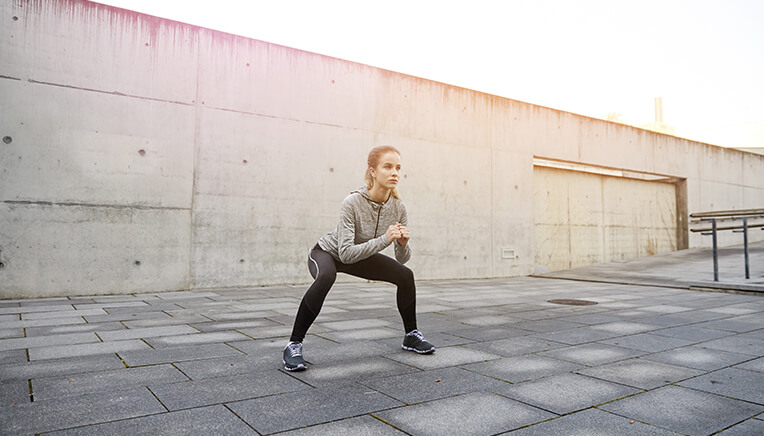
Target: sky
{"x":705,"y":58}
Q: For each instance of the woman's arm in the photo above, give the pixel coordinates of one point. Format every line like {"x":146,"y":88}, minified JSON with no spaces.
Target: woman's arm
{"x":402,"y":247}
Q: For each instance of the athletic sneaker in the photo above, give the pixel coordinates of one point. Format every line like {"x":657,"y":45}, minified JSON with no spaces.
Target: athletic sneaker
{"x":293,"y":360}
{"x":415,"y":341}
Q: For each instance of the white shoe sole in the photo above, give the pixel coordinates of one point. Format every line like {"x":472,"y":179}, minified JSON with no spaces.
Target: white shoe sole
{"x":299,"y":367}
{"x":431,"y":350}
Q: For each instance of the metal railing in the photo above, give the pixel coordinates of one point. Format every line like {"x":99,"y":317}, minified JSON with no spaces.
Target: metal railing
{"x":728,"y":220}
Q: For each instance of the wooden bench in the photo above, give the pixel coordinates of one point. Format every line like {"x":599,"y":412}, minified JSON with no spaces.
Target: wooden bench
{"x":739,"y":221}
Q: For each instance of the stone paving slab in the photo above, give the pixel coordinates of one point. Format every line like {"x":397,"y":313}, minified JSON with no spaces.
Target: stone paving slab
{"x":213,"y":420}
{"x":364,"y":425}
{"x":73,"y":328}
{"x":641,"y":373}
{"x":448,"y":416}
{"x":753,"y":365}
{"x":207,"y":327}
{"x":592,"y":422}
{"x":41,"y":341}
{"x":11,"y":333}
{"x":13,"y":356}
{"x":111,"y":306}
{"x":740,"y":324}
{"x":546,"y":325}
{"x":310,"y":407}
{"x":43,"y":416}
{"x":188,"y":394}
{"x":567,"y":393}
{"x":432,"y":385}
{"x":61,"y":351}
{"x":731,"y":382}
{"x":592,"y":354}
{"x":352,"y":370}
{"x":625,"y":328}
{"x":126,"y":316}
{"x":333,"y":352}
{"x":683,"y":410}
{"x":363,"y":334}
{"x":43,"y":315}
{"x":516,"y":346}
{"x":489,"y":334}
{"x":591,"y":319}
{"x":195,"y":339}
{"x":692,"y":333}
{"x":737,"y":344}
{"x":142,"y":333}
{"x":46,"y":388}
{"x":176,"y":354}
{"x":757,"y":335}
{"x":751,"y":427}
{"x":16,"y":323}
{"x":699,"y":358}
{"x":18,"y":309}
{"x":580,"y":335}
{"x":647,"y":342}
{"x":72,"y":365}
{"x":522,"y":368}
{"x":442,"y":358}
{"x":159,"y":319}
{"x":14,"y":392}
{"x":223,"y":366}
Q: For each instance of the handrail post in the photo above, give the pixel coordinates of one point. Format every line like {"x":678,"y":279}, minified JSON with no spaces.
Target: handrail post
{"x":716,"y":257}
{"x":745,"y":248}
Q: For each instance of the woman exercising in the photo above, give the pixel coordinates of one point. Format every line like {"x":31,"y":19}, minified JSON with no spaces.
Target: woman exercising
{"x":371,"y":218}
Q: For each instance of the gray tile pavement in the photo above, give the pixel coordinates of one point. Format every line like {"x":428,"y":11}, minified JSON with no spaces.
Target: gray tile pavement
{"x":685,"y":411}
{"x":650,"y":358}
{"x":488,"y":414}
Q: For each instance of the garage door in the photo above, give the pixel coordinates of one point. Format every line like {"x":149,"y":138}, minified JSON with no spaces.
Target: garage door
{"x":582,"y":218}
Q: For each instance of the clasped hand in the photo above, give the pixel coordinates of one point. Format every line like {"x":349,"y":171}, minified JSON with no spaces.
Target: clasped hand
{"x":398,"y":232}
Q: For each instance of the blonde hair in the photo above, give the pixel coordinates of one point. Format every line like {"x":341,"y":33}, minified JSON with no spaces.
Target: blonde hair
{"x":375,"y":155}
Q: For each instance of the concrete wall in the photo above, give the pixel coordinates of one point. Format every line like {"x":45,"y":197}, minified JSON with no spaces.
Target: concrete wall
{"x":148,"y":155}
{"x":583,"y":219}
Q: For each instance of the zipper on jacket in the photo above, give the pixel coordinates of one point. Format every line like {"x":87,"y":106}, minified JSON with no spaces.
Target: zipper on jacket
{"x":379,"y":212}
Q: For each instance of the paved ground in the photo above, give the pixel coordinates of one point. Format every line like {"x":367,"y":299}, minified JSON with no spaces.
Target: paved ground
{"x":692,"y":268}
{"x":645,"y":360}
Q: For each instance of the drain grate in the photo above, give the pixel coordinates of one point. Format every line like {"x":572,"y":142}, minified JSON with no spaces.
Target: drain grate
{"x":573,"y":302}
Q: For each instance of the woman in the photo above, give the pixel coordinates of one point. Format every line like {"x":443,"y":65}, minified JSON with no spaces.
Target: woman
{"x":371,"y":219}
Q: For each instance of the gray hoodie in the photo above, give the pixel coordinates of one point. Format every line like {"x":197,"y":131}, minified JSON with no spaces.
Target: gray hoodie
{"x":361,"y":230}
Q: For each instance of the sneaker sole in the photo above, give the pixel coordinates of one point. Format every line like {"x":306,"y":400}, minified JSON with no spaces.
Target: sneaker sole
{"x":299,"y":367}
{"x":431,"y":350}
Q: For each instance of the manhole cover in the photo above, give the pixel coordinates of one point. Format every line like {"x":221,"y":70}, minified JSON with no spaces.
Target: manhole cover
{"x":573,"y":302}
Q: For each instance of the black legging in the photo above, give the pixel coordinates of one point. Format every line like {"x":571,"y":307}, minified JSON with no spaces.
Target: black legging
{"x":379,"y":267}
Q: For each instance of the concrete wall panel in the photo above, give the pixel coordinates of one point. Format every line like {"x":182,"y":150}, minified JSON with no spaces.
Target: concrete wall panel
{"x":260,"y":78}
{"x":582,"y":218}
{"x":93,"y":148}
{"x":447,"y":193}
{"x":263,"y":197}
{"x":422,"y":109}
{"x":53,"y":250}
{"x":85,"y":45}
{"x":513,"y":209}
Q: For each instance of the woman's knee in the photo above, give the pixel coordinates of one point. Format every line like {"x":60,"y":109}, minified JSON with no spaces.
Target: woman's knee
{"x":325,"y":279}
{"x":405,"y":275}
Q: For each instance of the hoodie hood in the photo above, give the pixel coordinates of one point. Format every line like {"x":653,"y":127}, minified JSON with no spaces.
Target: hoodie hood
{"x":364,"y":191}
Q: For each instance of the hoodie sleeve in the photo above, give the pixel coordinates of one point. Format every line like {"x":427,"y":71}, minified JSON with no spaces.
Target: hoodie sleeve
{"x":403,"y":253}
{"x":347,"y":250}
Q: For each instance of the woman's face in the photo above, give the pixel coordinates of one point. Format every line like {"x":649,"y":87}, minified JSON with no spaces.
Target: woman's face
{"x":387,"y":173}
